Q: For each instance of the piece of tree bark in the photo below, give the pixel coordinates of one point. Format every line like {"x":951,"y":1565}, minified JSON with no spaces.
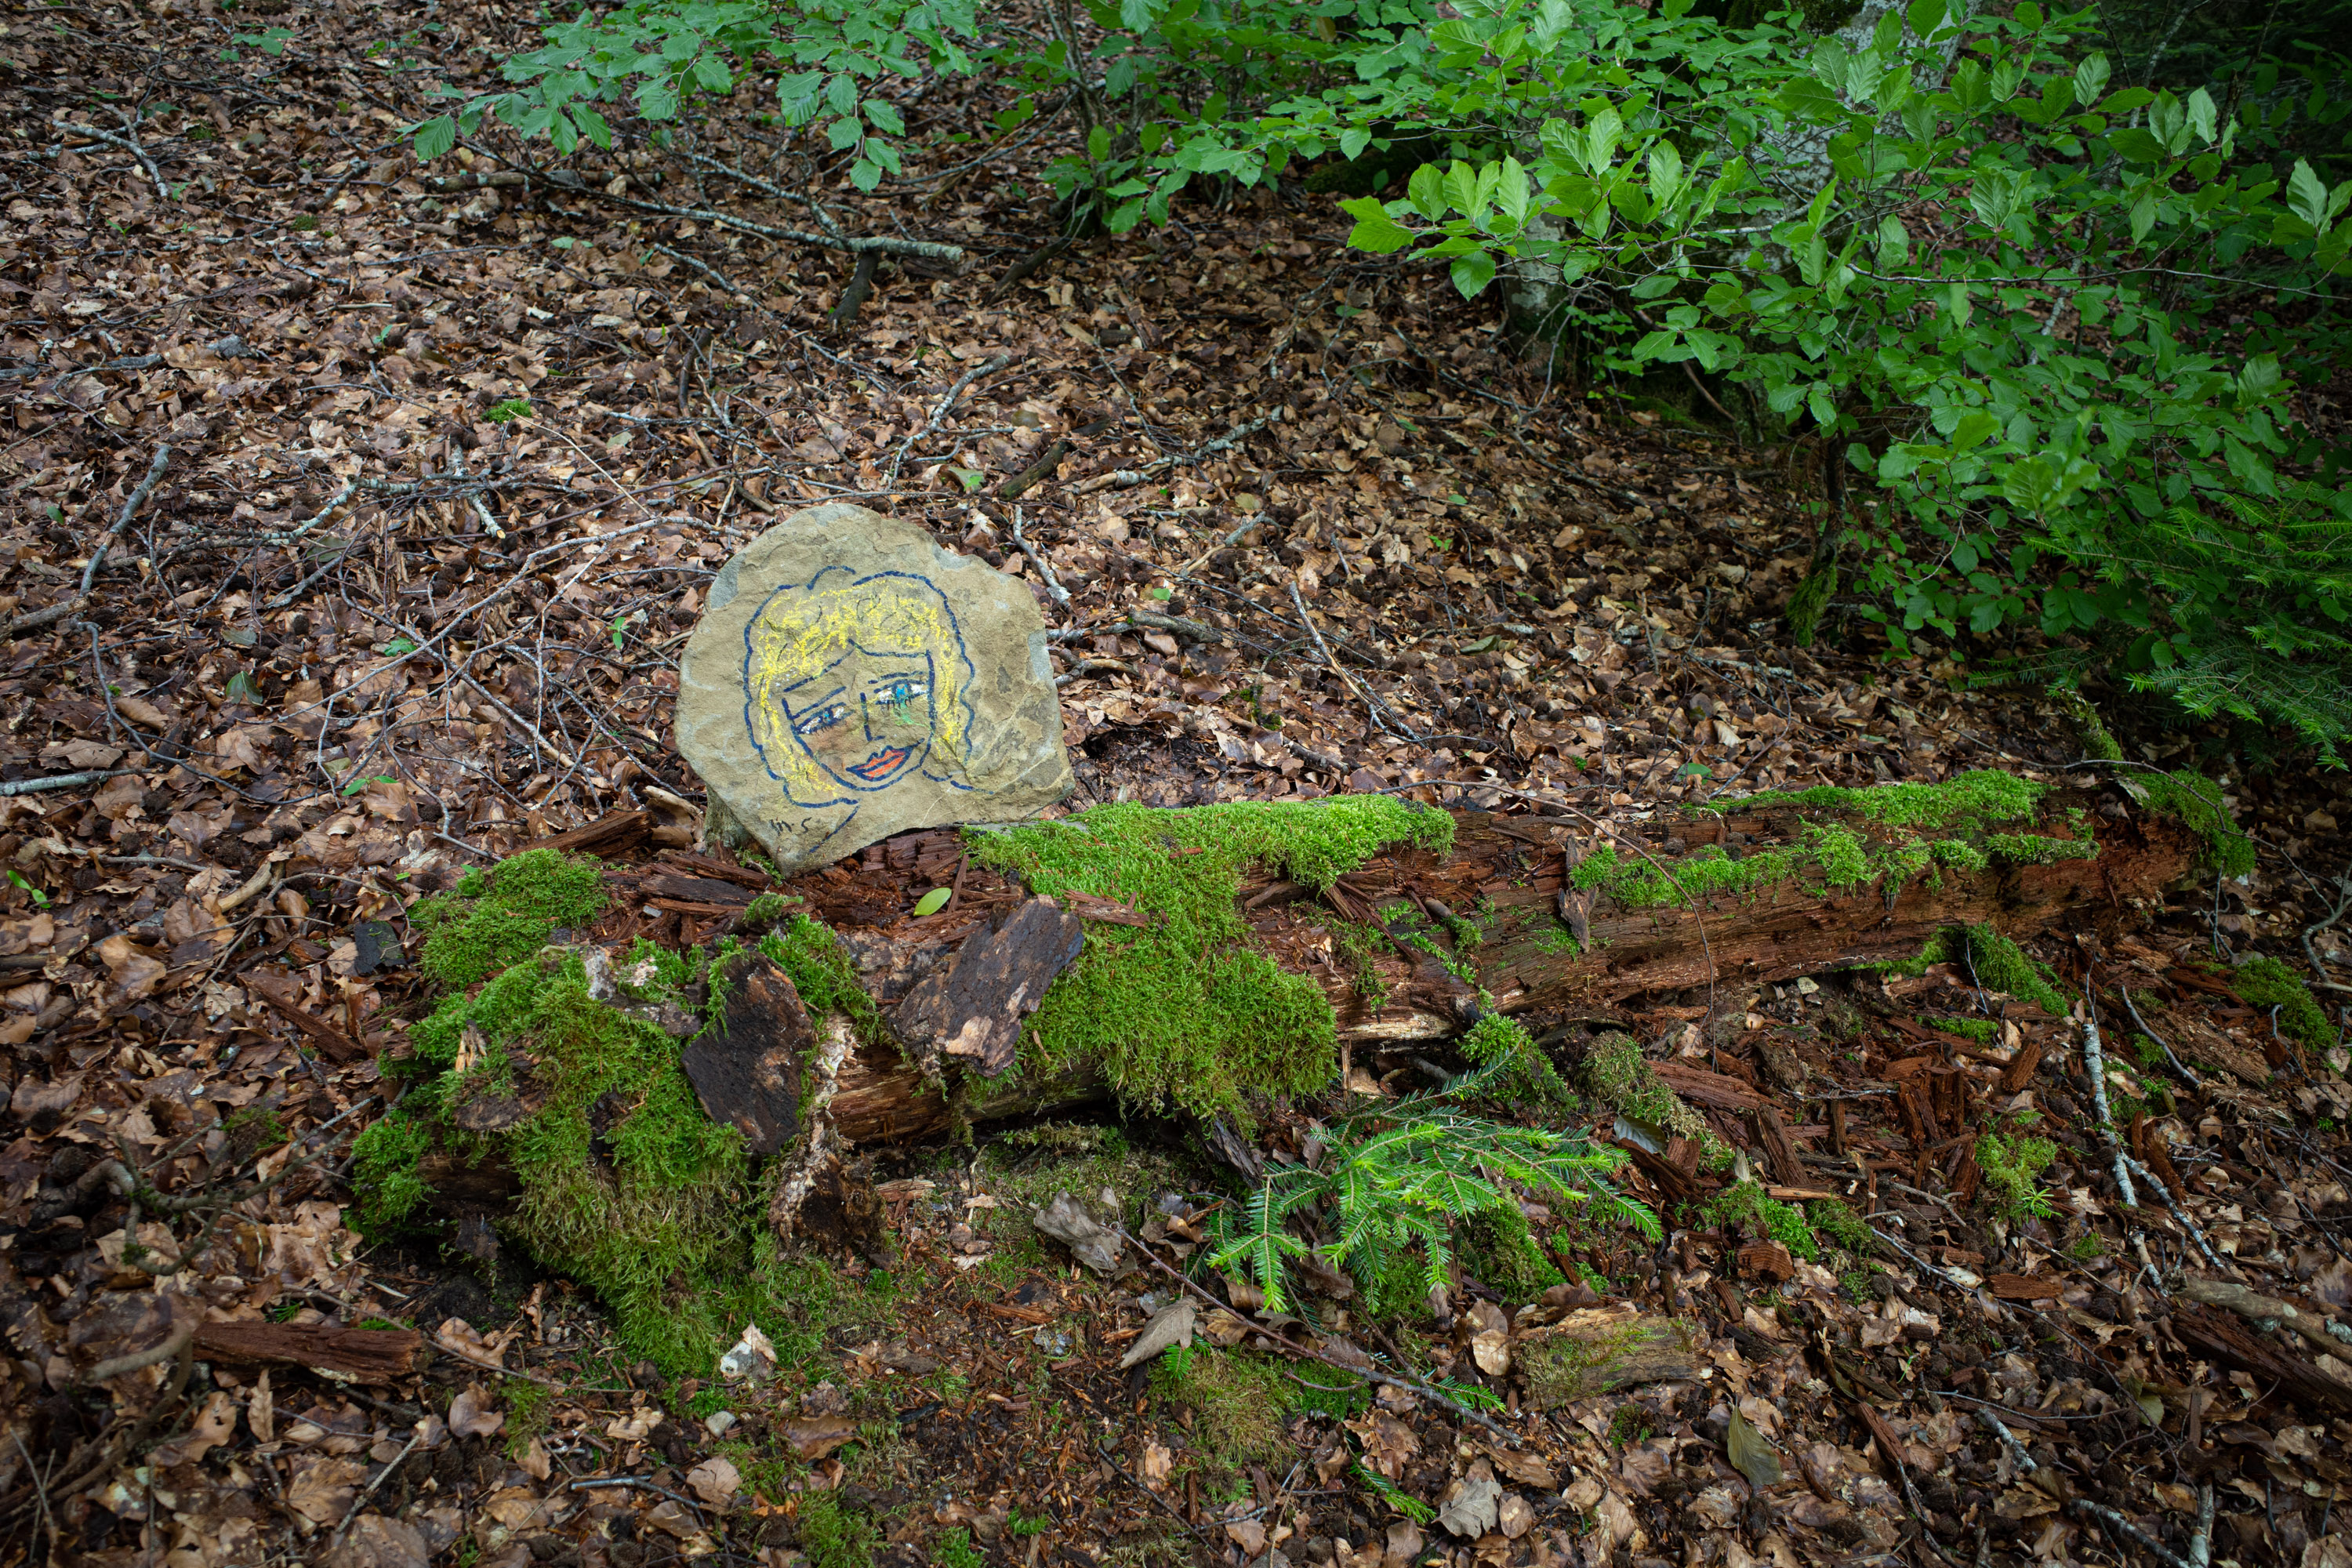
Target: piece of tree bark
{"x":1598,"y":1350}
{"x":615,"y":832}
{"x":2273,"y":1365}
{"x":971,"y":1006}
{"x":747,"y":1070}
{"x":371,"y":1355}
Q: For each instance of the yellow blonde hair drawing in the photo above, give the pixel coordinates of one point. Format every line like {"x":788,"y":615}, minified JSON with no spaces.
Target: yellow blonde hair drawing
{"x":801,"y":632}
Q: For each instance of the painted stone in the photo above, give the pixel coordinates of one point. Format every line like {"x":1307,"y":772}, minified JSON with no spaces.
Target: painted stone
{"x":850,"y":679}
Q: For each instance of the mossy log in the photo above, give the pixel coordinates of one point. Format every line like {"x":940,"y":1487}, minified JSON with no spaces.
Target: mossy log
{"x":1557,"y":921}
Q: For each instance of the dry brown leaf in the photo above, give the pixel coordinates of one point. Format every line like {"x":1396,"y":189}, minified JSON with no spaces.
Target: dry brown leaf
{"x":814,"y":1437}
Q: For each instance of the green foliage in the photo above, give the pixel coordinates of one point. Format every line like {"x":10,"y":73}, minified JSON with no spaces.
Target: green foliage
{"x":383,"y":1173}
{"x":1746,"y":1204}
{"x":1401,"y":1179}
{"x":1834,"y":1222}
{"x":1527,"y":1074}
{"x":825,"y":976}
{"x":505,"y":914}
{"x":1499,"y":1250}
{"x":2196,"y":801}
{"x":1631,"y":1423}
{"x":1240,"y":1403}
{"x":1187,"y":1010}
{"x":2071,"y":419}
{"x":2266,"y":982}
{"x":764,"y":914}
{"x":2012,"y":1163}
{"x":954,"y":1549}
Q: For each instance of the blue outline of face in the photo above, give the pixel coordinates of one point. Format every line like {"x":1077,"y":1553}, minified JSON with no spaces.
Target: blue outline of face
{"x":876,"y":710}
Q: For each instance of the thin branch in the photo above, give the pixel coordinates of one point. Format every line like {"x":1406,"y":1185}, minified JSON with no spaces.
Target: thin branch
{"x":58,"y":611}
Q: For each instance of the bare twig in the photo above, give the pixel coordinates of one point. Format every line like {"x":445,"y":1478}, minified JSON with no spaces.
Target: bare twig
{"x":369,"y":1490}
{"x":2165,"y":1193}
{"x":1374,"y":707}
{"x":939,"y":411}
{"x":2178,"y":1065}
{"x":929,"y":250}
{"x":1128,"y":479}
{"x":162,"y":189}
{"x":138,"y":1360}
{"x":2096,"y":1063}
{"x":1054,"y":588}
{"x":62,"y":781}
{"x":58,"y":611}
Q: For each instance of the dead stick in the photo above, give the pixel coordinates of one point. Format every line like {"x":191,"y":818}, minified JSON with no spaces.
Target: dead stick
{"x":58,"y":611}
{"x":1054,"y":588}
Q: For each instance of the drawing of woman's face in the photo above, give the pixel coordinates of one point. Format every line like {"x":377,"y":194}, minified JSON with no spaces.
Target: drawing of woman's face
{"x":868,"y":718}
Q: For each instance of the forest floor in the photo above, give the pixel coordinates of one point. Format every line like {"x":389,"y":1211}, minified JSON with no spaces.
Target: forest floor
{"x":451,"y":457}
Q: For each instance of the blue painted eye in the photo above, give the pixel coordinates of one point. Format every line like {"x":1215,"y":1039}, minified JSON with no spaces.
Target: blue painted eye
{"x":898,"y":693}
{"x":823,"y":718}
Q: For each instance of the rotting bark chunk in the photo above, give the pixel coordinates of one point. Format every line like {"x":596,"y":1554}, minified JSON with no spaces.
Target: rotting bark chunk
{"x":746,"y":1069}
{"x":971,"y":1006}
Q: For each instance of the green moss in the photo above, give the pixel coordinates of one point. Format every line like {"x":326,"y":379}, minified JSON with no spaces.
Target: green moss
{"x":1983,"y":795}
{"x":384,"y":1174}
{"x":1498,"y":1250}
{"x":1631,"y":1423}
{"x":1240,"y":1403}
{"x":825,"y":976}
{"x":1560,"y":1368}
{"x":1840,"y":1226}
{"x":1996,"y":963}
{"x":1812,"y":595}
{"x":1362,"y":946}
{"x":2267,"y":983}
{"x":1982,"y":1030}
{"x":527,"y":1413}
{"x":2098,"y":744}
{"x":504,"y":915}
{"x":625,"y":1185}
{"x":832,"y":1533}
{"x":2196,"y":801}
{"x":764,"y":914}
{"x":1186,"y":1011}
{"x":1615,"y":1073}
{"x":2011,"y":1164}
{"x":1746,"y":1204}
{"x":1526,"y":1073}
{"x":1913,"y":830}
{"x":954,"y":1549}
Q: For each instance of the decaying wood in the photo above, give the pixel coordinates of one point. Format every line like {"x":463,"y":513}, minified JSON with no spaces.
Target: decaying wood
{"x":747,"y":1071}
{"x":972,"y":1006}
{"x":2209,"y":1333}
{"x":933,"y":985}
{"x":1598,"y":1350}
{"x":371,"y":1355}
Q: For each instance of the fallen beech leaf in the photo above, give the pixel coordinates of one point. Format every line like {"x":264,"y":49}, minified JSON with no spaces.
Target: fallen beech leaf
{"x":1472,"y":1503}
{"x":814,"y":1437}
{"x":715,"y":1481}
{"x":470,"y":1415}
{"x":1751,"y":1455}
{"x":1159,"y":1464}
{"x":1172,"y":1325}
{"x":1514,"y":1516}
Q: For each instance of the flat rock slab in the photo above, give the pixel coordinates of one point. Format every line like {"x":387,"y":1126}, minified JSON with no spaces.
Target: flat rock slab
{"x":850,"y":679}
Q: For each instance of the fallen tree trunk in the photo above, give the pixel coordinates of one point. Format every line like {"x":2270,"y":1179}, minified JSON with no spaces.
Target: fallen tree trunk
{"x":1557,"y":921}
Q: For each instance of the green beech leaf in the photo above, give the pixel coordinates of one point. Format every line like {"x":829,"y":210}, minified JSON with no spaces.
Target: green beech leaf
{"x":1751,"y":1453}
{"x":932,"y":903}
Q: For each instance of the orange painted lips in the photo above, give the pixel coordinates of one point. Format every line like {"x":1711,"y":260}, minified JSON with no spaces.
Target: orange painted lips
{"x":882,"y":763}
